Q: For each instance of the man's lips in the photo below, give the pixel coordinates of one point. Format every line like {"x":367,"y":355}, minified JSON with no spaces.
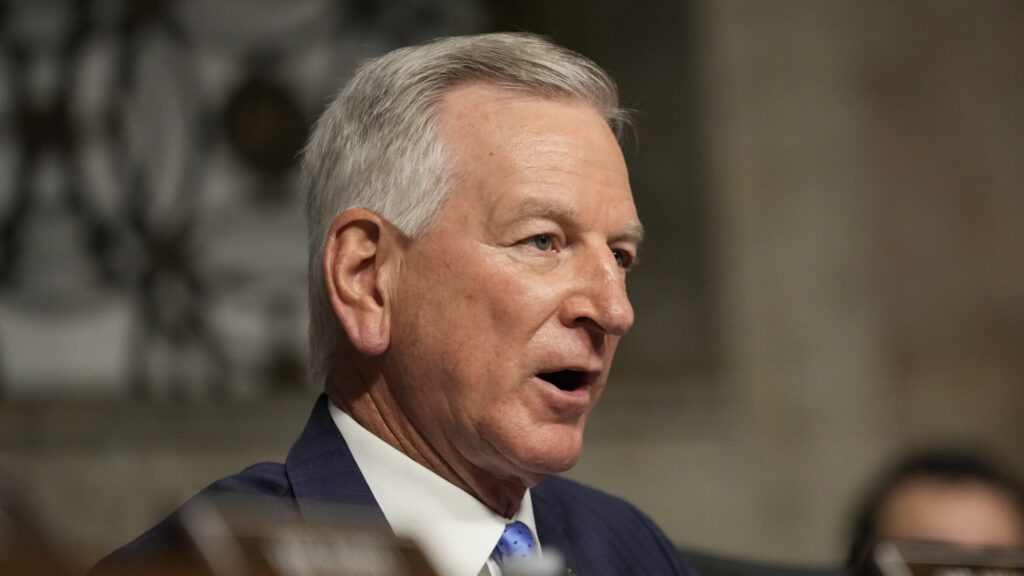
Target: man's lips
{"x":568,"y":380}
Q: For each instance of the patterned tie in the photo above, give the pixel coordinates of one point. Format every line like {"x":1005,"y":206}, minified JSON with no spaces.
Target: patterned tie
{"x":516,"y":542}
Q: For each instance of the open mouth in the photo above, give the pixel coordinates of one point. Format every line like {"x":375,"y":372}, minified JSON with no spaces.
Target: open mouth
{"x":568,"y":380}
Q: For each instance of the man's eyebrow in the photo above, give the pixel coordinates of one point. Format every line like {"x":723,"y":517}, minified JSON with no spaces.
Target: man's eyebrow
{"x":634,"y":231}
{"x":538,"y":209}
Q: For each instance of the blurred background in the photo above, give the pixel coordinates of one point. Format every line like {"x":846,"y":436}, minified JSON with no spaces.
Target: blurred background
{"x":834,"y":198}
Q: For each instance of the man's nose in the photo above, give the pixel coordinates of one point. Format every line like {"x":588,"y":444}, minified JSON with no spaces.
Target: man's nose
{"x":600,"y":302}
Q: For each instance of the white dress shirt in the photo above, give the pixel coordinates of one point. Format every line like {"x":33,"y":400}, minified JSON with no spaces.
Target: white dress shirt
{"x":456,"y":532}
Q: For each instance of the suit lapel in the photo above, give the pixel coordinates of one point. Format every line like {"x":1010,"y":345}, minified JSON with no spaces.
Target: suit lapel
{"x":320,"y":467}
{"x":551,"y":528}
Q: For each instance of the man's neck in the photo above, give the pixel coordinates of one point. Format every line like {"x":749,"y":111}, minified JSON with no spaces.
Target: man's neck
{"x":370,"y":403}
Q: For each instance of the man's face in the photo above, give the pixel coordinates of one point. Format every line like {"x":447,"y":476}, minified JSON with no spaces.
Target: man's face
{"x":961,"y":513}
{"x":508,"y":311}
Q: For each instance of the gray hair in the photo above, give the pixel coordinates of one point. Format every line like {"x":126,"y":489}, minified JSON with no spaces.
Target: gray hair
{"x":377,"y":146}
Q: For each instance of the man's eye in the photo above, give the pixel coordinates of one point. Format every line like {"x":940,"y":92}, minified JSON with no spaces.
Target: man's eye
{"x":542,"y":242}
{"x":623,"y":259}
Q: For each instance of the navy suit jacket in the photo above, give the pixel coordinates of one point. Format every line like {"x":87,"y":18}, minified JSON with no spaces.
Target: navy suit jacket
{"x":599,"y":534}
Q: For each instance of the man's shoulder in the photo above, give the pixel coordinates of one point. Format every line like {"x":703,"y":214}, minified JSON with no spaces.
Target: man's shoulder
{"x":169,"y":538}
{"x":263,"y":479}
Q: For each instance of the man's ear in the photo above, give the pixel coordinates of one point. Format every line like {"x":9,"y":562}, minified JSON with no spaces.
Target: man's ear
{"x":356,"y":254}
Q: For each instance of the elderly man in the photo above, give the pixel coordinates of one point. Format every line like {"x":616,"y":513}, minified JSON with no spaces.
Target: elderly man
{"x":471,"y":229}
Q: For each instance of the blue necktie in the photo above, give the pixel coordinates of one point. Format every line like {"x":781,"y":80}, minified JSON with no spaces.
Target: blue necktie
{"x":516,"y":542}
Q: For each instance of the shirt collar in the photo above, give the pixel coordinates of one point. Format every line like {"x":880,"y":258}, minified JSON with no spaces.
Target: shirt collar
{"x":456,"y":531}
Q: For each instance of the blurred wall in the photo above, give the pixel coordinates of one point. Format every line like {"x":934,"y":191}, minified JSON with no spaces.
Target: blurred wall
{"x":833,"y":275}
{"x":867,"y":200}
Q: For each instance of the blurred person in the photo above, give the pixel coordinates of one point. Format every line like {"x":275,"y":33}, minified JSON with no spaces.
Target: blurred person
{"x":940,"y":496}
{"x":471,"y":229}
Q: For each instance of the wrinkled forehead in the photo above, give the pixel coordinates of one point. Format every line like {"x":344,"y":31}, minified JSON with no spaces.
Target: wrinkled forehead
{"x":480,"y":118}
{"x":452,"y":102}
{"x":525,"y":156}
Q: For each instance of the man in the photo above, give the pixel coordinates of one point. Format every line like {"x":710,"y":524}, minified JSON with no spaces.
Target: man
{"x":943,"y":496}
{"x":471,"y":229}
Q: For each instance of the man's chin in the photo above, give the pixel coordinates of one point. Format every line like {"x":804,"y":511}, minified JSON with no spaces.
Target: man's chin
{"x":546,"y":450}
{"x":547,"y":461}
